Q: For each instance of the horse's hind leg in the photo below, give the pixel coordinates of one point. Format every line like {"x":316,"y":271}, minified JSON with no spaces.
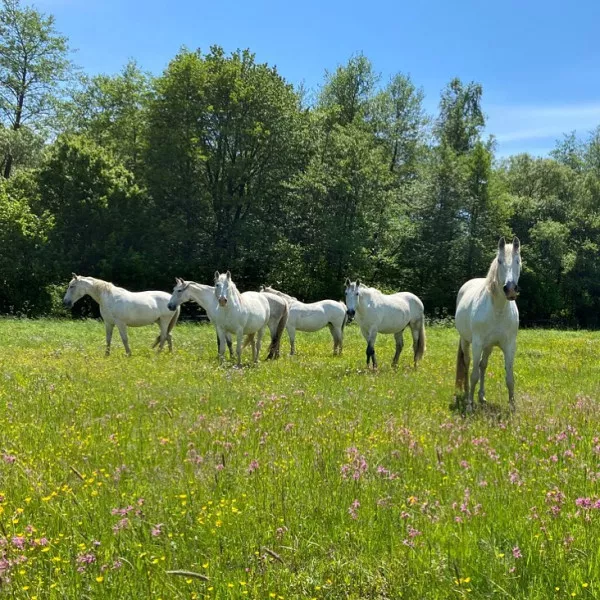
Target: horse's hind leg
{"x":485,"y":355}
{"x":109,"y":331}
{"x":123,"y":331}
{"x":259,"y":336}
{"x":399,"y":337}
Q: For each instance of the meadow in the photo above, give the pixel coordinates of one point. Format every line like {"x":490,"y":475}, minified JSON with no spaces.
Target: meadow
{"x":306,"y":477}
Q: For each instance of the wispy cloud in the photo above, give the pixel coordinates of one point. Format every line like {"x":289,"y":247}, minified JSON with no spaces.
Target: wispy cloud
{"x":512,"y":125}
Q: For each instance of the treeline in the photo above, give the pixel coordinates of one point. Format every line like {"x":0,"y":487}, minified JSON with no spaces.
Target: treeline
{"x":219,"y":163}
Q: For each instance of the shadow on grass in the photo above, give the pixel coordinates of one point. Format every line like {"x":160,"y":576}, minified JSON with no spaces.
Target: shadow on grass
{"x":487,"y":409}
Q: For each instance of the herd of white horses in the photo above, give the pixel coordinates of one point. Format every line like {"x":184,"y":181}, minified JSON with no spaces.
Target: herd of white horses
{"x":486,"y":316}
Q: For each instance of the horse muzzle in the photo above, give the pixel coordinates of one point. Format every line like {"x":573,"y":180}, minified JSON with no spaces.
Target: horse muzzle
{"x":222,"y":301}
{"x":171,"y":306}
{"x":351,"y":314}
{"x":511,"y":291}
{"x":67,"y":303}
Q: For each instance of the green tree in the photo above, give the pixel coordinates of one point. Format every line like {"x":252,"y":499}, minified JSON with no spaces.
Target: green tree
{"x":33,"y":62}
{"x":224,"y":141}
{"x":348,"y":91}
{"x":112,"y":111}
{"x":461,"y":118}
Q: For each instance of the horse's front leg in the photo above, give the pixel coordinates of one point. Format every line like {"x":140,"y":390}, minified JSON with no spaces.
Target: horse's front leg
{"x":485,"y":355}
{"x":240,"y":339}
{"x":292,"y":335}
{"x":371,"y":337}
{"x":477,"y":350}
{"x":123,"y":331}
{"x":509,"y":360}
{"x":221,"y":343}
{"x":109,"y":331}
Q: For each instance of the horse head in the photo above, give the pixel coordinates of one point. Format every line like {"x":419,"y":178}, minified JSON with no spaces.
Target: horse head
{"x":352,"y":297}
{"x":509,"y":267}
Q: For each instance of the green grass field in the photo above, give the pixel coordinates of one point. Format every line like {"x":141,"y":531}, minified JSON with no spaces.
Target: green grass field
{"x":308,"y":477}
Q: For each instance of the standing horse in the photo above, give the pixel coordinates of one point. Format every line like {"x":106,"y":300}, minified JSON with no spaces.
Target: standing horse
{"x":386,"y":313}
{"x":487,"y":316}
{"x":240,"y":314}
{"x":123,"y":308}
{"x":313,"y":317}
{"x":204,"y":295}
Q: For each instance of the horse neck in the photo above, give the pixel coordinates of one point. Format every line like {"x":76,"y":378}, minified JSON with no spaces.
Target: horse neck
{"x":366,"y":298}
{"x":96,"y":289}
{"x":204,"y":295}
{"x":494,"y":287}
{"x":234,"y":296}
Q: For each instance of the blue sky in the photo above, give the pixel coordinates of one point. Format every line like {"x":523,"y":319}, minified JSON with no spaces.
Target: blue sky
{"x":538,"y":62}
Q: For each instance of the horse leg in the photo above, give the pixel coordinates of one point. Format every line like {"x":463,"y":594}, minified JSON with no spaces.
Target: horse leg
{"x":399,"y":337}
{"x":477,"y":351}
{"x":163,"y":336}
{"x":334,"y":337}
{"x":509,"y":359}
{"x":340,"y":337}
{"x":259,"y":336}
{"x":221,"y":341}
{"x":371,"y":348}
{"x":466,"y":357}
{"x":292,"y":333}
{"x":482,"y":367}
{"x":109,"y":331}
{"x":123,"y":331}
{"x":239,"y":338}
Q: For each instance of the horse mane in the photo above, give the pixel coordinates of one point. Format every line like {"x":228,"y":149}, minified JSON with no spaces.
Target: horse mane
{"x":101,"y":285}
{"x":491,"y":279}
{"x":271,"y":290}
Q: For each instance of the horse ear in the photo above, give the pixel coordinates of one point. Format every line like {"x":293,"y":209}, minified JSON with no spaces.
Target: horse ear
{"x":74,"y":276}
{"x":516,"y":244}
{"x":178,"y":280}
{"x":228,"y":275}
{"x":348,"y":282}
{"x":358,"y":283}
{"x":261,"y":288}
{"x":217,"y":275}
{"x":501,"y":244}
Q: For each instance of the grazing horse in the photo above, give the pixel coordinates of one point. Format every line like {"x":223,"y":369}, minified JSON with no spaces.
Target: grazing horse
{"x":204,"y":295}
{"x":487,"y":316}
{"x":123,"y":308}
{"x":313,"y":317}
{"x":386,"y":313}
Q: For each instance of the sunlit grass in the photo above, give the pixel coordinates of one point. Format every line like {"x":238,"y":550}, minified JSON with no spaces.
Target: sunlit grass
{"x":307,"y":477}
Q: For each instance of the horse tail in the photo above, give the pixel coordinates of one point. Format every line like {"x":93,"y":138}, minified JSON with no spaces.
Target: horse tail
{"x":461,"y":368}
{"x":421,"y":342}
{"x":276,"y":340}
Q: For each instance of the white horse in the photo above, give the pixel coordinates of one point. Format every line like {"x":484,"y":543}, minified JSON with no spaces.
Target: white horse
{"x":487,"y":316}
{"x":313,"y":317}
{"x":240,"y":314}
{"x":123,"y":308}
{"x":204,"y":295}
{"x":386,"y":313}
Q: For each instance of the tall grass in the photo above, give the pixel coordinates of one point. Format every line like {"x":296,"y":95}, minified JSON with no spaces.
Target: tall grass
{"x":307,"y":477}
